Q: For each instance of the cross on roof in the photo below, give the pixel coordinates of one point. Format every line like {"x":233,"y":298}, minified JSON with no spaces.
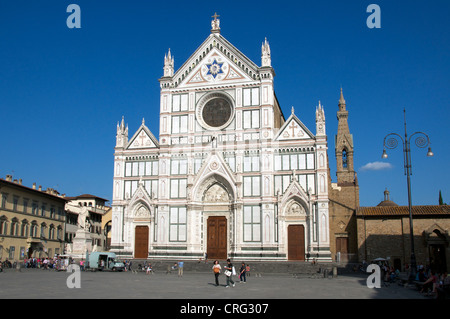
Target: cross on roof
{"x":215,"y":16}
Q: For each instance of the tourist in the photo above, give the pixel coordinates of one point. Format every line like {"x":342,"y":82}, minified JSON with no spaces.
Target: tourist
{"x":229,"y":273}
{"x":180,"y":268}
{"x":431,"y":283}
{"x":216,"y":269}
{"x":149,"y":269}
{"x":242,"y":273}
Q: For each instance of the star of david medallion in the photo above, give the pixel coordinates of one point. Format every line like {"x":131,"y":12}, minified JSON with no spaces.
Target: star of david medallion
{"x":214,"y":68}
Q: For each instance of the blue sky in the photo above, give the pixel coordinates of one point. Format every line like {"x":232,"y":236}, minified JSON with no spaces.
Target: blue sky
{"x":62,"y":91}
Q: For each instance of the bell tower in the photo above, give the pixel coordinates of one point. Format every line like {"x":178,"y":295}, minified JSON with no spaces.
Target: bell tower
{"x":345,"y":171}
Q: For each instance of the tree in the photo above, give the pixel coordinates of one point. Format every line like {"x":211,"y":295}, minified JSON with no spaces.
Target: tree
{"x":441,"y":202}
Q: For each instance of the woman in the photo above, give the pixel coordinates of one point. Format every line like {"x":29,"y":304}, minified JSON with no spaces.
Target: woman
{"x":216,"y":269}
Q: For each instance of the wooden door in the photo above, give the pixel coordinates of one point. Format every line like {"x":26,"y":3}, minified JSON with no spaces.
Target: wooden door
{"x":217,"y":237}
{"x":141,"y":242}
{"x":296,"y":242}
{"x":342,"y":248}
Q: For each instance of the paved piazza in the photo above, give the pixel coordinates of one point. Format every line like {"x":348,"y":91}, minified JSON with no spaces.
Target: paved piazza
{"x":48,"y":284}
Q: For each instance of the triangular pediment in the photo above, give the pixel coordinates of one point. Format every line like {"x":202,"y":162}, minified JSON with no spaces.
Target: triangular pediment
{"x":294,"y":129}
{"x":215,"y":61}
{"x":143,"y":138}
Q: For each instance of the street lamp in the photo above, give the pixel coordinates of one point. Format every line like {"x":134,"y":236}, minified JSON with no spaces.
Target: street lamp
{"x":422,"y":141}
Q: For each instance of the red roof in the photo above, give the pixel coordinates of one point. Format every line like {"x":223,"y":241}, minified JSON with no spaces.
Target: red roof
{"x":403,"y":210}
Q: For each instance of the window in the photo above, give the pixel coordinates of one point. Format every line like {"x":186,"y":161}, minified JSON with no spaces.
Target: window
{"x":43,"y":210}
{"x":179,"y":102}
{"x":34,"y":208}
{"x":134,"y":169}
{"x":252,"y":185}
{"x":252,"y":223}
{"x":178,"y":188}
{"x":306,"y":181}
{"x":251,"y":163}
{"x":177,"y":224}
{"x":179,"y":124}
{"x":3,"y":225}
{"x":288,"y":162}
{"x":178,"y":167}
{"x":51,"y":232}
{"x":43,"y":227}
{"x":14,"y":227}
{"x":24,"y":229}
{"x":251,"y":97}
{"x":151,"y":186}
{"x":344,"y":158}
{"x":4,"y":198}
{"x":15,"y":203}
{"x":25,"y":205}
{"x":251,"y":119}
{"x":231,"y":160}
{"x":281,"y":183}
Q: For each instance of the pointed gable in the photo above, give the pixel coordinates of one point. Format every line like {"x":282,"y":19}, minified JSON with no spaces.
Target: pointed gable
{"x":215,"y":61}
{"x":294,"y":129}
{"x":143,"y":138}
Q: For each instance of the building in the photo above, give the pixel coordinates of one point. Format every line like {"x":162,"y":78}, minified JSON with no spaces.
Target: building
{"x":230,"y":175}
{"x":344,"y":194}
{"x":32,"y":221}
{"x":93,"y":208}
{"x":106,"y":226}
{"x":384,"y":231}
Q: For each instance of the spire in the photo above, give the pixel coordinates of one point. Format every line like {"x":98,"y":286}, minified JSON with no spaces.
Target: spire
{"x":341,"y":102}
{"x":168,"y":64}
{"x":122,"y":134}
{"x":265,"y":54}
{"x":320,"y":120}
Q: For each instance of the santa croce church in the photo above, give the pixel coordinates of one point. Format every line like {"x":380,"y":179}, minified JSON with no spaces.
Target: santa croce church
{"x":230,"y":176}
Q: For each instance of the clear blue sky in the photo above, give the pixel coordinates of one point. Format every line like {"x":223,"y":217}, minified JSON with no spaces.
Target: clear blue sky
{"x":62,"y":91}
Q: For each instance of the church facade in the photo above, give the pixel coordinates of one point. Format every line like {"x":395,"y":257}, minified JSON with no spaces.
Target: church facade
{"x":230,"y":176}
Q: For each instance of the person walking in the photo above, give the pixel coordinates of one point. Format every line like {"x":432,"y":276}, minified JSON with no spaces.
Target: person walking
{"x":216,"y":269}
{"x":242,"y":273}
{"x":229,"y":273}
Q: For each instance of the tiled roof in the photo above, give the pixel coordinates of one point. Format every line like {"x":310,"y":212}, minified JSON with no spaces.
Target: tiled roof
{"x":403,"y":210}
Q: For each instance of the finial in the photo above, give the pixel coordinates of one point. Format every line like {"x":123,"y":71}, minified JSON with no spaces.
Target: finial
{"x":341,"y":101}
{"x":292,"y":110}
{"x":168,"y":64}
{"x":265,"y":53}
{"x":143,"y":121}
{"x":215,"y":24}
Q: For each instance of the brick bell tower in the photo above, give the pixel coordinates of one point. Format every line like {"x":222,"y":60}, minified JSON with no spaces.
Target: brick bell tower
{"x":345,"y":171}
{"x":344,"y":194}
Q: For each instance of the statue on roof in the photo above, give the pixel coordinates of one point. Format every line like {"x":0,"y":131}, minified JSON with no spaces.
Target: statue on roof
{"x":215,"y":24}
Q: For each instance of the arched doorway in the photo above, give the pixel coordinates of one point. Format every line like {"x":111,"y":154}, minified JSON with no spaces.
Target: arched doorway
{"x":216,"y":201}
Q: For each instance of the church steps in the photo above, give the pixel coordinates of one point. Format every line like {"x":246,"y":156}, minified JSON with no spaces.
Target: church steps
{"x":257,"y":268}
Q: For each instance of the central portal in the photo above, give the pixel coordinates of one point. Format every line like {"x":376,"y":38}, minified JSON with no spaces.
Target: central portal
{"x":217,"y":237}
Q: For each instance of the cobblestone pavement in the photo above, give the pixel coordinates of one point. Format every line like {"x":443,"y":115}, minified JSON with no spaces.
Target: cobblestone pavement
{"x":48,"y":284}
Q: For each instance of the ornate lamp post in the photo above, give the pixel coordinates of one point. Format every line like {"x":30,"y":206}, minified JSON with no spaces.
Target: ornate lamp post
{"x":422,"y":140}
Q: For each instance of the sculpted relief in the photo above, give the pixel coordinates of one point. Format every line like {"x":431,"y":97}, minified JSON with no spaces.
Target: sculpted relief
{"x":216,"y":194}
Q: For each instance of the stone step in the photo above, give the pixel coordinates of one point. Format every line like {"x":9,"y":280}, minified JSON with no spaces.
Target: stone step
{"x":280,"y":267}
